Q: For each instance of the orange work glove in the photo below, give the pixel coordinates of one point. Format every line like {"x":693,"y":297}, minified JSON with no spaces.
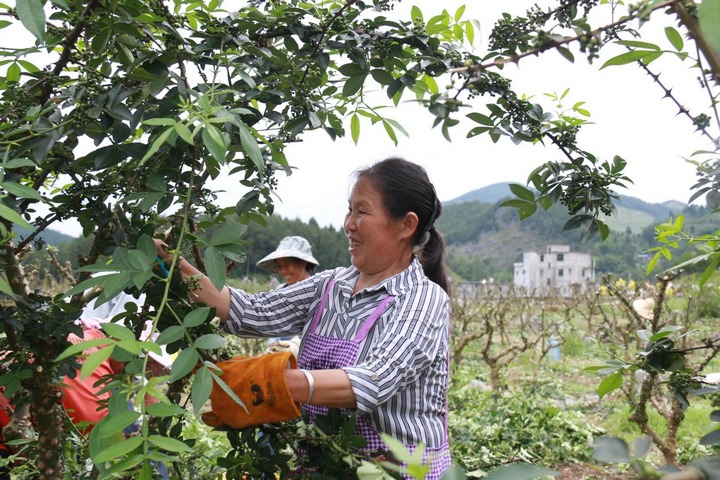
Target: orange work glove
{"x":260,"y":383}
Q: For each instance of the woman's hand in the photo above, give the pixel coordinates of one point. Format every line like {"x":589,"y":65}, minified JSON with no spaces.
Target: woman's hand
{"x":203,"y":290}
{"x":161,"y":249}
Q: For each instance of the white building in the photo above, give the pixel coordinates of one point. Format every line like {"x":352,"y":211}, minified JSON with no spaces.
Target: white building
{"x":556,"y":269}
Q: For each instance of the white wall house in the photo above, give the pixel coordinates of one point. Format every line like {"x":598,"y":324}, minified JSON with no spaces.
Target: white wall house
{"x":555,"y":269}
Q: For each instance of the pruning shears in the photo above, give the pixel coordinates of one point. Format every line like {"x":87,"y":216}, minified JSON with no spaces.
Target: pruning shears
{"x":163,"y":268}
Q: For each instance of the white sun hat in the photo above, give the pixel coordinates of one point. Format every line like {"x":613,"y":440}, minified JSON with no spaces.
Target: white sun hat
{"x":289,"y":247}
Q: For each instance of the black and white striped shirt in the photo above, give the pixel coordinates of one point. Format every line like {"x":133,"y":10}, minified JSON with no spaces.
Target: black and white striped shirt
{"x":401,"y":374}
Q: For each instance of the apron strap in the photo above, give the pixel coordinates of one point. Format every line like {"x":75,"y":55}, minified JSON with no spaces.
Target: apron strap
{"x":370,"y":322}
{"x":323,"y":301}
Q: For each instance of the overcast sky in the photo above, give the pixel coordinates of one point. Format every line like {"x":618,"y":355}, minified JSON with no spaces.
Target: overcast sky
{"x":630,"y":119}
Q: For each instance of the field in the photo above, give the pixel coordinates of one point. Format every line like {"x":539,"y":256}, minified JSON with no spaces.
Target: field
{"x":524,"y":390}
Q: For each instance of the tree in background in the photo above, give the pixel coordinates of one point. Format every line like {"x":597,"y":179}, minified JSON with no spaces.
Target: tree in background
{"x":122,"y":111}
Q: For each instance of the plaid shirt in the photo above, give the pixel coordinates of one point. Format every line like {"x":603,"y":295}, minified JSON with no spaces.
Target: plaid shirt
{"x":401,"y":374}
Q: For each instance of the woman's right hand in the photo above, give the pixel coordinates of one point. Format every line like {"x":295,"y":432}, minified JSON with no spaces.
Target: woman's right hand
{"x":161,"y":249}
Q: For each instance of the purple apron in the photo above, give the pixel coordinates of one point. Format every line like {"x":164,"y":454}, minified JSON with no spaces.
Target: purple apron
{"x":319,"y":352}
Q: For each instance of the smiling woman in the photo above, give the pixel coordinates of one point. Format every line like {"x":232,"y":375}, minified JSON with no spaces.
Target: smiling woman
{"x":374,"y":335}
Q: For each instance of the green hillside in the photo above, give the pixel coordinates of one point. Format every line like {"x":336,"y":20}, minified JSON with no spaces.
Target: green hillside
{"x":629,"y":218}
{"x":49,"y":236}
{"x":484,"y":240}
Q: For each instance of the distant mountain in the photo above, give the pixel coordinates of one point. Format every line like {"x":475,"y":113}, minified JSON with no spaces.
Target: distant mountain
{"x":632,"y":212}
{"x":490,"y":194}
{"x":49,"y":236}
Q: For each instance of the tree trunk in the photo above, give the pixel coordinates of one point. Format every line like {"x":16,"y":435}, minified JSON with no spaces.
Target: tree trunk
{"x":43,"y":392}
{"x":48,"y":415}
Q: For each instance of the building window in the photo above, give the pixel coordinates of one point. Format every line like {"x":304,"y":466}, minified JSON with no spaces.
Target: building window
{"x":542,"y":272}
{"x":561,"y":257}
{"x":548,"y":282}
{"x":560,"y":272}
{"x":542,"y":258}
{"x":569,"y":271}
{"x":583,"y":273}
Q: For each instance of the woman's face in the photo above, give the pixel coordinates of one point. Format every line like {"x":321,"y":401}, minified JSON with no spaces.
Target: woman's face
{"x":379,"y":245}
{"x":292,"y":269}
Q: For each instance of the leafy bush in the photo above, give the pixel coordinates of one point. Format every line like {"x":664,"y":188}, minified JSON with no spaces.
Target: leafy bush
{"x":708,"y":303}
{"x":520,"y":425}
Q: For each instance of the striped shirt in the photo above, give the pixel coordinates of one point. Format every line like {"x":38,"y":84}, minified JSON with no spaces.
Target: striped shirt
{"x":401,"y":374}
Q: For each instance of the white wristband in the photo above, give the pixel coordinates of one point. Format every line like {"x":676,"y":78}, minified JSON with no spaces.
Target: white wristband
{"x":311,"y":385}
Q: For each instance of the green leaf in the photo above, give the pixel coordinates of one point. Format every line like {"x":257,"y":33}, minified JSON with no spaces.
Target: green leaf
{"x":228,"y":233}
{"x":431,"y":83}
{"x":116,"y":423}
{"x":675,"y":38}
{"x":171,"y":334}
{"x":522,"y":192}
{"x":712,"y":438}
{"x":708,"y":272}
{"x":459,"y":13}
{"x":84,"y":285}
{"x":639,"y":45}
{"x":121,"y":332}
{"x":119,"y":449}
{"x":437,"y":24}
{"x":391,"y":133}
{"x":11,"y":215}
{"x":210,"y":341}
{"x":155,"y":146}
{"x":100,"y":41}
{"x":13,"y":73}
{"x":470,"y":32}
{"x":201,"y":388}
{"x":383,"y":77}
{"x":527,"y":211}
{"x":146,"y":245}
{"x":184,"y":364}
{"x":19,"y":163}
{"x":628,"y":57}
{"x":93,"y":361}
{"x":78,"y":348}
{"x":130,"y":462}
{"x":184,"y":132}
{"x":355,"y":128}
{"x":250,"y":147}
{"x":416,"y":14}
{"x":215,"y":266}
{"x":354,"y":84}
{"x":164,"y":409}
{"x":610,"y":383}
{"x":160,"y":121}
{"x":228,"y":390}
{"x":481,"y":119}
{"x":32,"y":15}
{"x":709,"y":18}
{"x":611,"y":450}
{"x":565,"y":52}
{"x":5,"y":288}
{"x":169,"y":444}
{"x":196,"y":317}
{"x":214,"y":142}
